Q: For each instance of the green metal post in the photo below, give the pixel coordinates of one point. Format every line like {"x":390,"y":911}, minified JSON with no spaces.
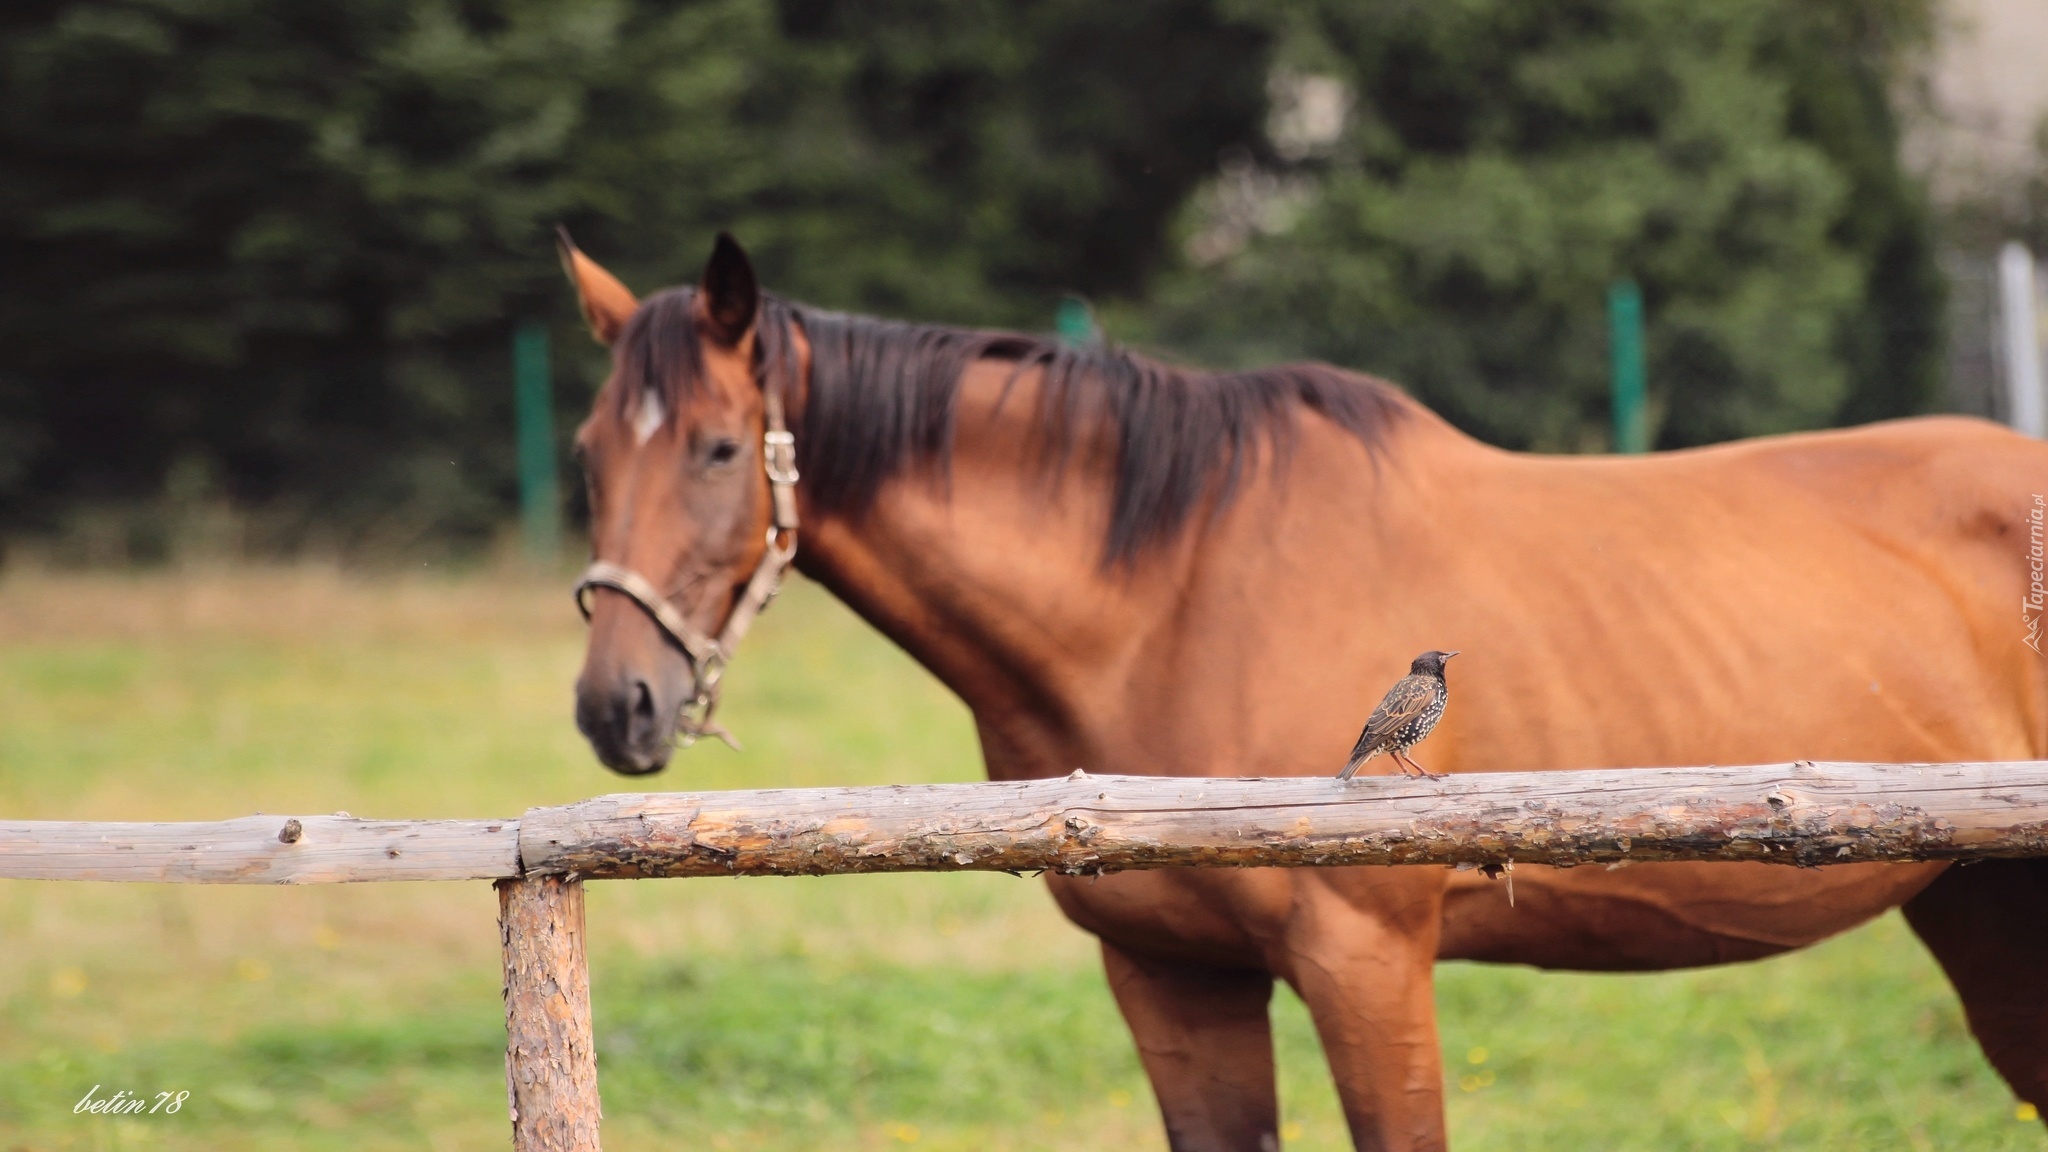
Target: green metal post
{"x":1075,"y":323}
{"x":540,"y":498}
{"x":1630,"y":374}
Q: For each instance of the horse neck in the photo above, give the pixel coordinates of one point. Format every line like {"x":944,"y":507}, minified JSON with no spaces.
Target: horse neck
{"x":993,"y":579}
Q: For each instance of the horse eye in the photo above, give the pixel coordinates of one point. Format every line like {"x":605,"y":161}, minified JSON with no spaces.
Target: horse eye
{"x":725,"y":452}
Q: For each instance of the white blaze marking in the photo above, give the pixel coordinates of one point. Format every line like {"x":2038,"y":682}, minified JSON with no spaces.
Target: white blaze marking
{"x":647,"y":421}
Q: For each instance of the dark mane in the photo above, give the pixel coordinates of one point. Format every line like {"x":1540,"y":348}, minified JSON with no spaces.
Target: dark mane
{"x":882,"y":396}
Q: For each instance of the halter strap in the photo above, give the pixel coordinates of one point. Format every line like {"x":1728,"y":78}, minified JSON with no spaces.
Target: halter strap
{"x":604,"y":574}
{"x":707,"y":655}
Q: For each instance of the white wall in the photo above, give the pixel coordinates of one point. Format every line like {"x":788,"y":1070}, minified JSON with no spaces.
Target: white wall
{"x":1988,"y":84}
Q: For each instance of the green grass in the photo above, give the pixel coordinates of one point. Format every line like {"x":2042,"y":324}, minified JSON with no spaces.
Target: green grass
{"x":950,"y":1011}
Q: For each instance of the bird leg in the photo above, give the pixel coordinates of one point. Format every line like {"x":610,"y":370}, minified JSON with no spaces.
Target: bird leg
{"x":1410,"y":768}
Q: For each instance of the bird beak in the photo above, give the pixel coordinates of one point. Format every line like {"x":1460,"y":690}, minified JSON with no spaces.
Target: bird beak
{"x":1448,"y":655}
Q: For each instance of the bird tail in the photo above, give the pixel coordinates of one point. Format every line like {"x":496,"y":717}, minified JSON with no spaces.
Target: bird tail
{"x":1358,"y":759}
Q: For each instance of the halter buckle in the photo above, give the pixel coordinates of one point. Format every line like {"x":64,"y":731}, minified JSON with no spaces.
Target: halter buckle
{"x":778,"y":456}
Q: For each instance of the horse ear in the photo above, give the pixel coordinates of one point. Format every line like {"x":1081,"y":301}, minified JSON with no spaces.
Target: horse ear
{"x":607,"y":304}
{"x":730,"y":294}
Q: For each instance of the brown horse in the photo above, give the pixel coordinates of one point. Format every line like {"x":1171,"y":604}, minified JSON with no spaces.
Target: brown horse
{"x":1134,"y":568}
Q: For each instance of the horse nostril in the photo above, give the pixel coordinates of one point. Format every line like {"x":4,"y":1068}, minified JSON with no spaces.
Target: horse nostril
{"x":624,"y":722}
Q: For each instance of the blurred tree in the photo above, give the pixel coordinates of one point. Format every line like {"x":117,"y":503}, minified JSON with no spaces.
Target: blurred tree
{"x":285,"y":241}
{"x":1504,"y":160}
{"x":290,"y":237}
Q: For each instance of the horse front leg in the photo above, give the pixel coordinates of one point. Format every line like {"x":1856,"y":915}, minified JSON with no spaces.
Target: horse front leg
{"x":1206,"y":1041}
{"x":1361,"y":951}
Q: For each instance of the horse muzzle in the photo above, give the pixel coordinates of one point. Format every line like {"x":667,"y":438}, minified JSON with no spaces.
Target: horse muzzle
{"x":629,"y":719}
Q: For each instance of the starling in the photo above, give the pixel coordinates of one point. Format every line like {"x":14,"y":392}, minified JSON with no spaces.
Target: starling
{"x":1405,"y":718}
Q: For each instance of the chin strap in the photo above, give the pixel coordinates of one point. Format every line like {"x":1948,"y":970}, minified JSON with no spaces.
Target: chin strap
{"x":708,"y":656}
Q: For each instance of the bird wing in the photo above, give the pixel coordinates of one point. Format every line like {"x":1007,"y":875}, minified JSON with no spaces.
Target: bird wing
{"x":1410,"y":697}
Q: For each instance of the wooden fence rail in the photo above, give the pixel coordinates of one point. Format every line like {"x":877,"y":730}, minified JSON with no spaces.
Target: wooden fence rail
{"x":1807,"y":814}
{"x":337,"y":849}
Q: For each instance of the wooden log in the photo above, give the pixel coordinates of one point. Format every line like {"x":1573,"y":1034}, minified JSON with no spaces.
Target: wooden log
{"x":1804,"y":813}
{"x":261,"y":850}
{"x":550,"y":1051}
{"x":1801,"y":813}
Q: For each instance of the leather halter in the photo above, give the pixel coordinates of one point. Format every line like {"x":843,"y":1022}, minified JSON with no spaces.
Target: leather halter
{"x":708,"y":655}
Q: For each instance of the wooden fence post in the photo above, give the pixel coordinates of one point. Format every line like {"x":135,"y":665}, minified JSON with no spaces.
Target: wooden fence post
{"x":550,"y":1051}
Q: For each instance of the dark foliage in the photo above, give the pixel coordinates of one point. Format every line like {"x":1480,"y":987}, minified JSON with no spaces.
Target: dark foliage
{"x":289,"y":239}
{"x":1507,"y":159}
{"x":282,"y":245}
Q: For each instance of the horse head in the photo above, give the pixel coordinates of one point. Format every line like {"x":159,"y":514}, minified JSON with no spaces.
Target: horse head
{"x":692,"y":519}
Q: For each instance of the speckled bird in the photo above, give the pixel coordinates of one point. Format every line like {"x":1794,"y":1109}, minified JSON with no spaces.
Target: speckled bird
{"x":1405,"y":718}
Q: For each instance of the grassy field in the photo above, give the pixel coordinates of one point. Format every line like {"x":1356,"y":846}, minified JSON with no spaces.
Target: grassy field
{"x":878,"y":1012}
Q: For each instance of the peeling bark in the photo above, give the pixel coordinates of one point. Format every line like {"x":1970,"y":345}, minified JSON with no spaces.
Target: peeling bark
{"x":550,"y":1052}
{"x":1804,"y":814}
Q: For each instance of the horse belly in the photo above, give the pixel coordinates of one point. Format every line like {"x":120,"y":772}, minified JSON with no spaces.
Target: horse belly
{"x":1227,"y":918}
{"x":1649,"y":917}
